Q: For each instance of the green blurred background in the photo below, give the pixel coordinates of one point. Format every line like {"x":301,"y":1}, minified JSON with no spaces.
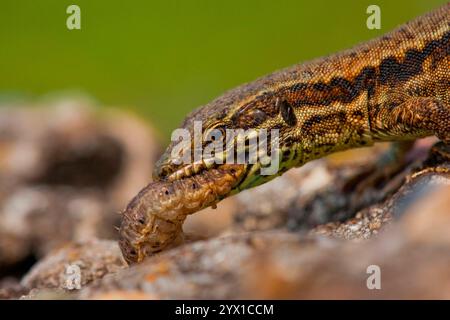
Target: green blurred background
{"x":162,"y":59}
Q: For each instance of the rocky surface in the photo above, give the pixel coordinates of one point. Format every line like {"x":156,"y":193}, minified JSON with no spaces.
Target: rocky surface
{"x":91,"y":260}
{"x":413,"y":257}
{"x":200,"y":270}
{"x":317,"y":232}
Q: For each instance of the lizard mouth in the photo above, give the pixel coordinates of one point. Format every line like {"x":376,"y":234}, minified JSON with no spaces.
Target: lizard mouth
{"x":241,"y":151}
{"x":153,"y":220}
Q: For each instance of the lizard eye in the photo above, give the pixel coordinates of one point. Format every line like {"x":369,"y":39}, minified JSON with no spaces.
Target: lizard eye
{"x":287,"y":113}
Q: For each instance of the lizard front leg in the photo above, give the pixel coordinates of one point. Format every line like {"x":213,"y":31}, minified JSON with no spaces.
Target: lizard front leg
{"x":413,"y":118}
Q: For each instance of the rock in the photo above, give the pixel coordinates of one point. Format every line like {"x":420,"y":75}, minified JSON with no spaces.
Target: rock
{"x":364,"y":225}
{"x":412,"y":257}
{"x":10,"y":288}
{"x":200,"y":270}
{"x":93,"y":259}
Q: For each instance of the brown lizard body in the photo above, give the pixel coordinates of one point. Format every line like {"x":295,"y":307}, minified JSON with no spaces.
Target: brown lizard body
{"x":394,"y":88}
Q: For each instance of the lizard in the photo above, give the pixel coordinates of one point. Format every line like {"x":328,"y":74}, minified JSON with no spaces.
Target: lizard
{"x":393,"y":88}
